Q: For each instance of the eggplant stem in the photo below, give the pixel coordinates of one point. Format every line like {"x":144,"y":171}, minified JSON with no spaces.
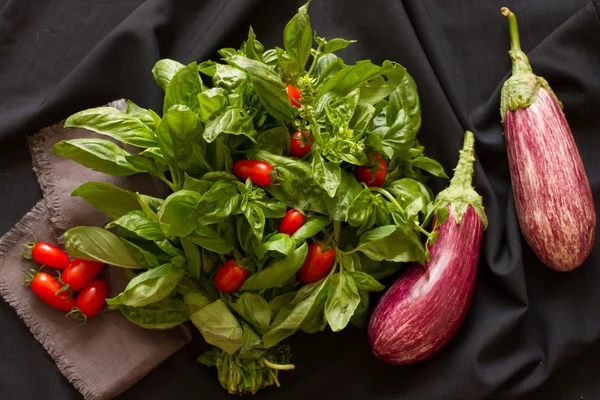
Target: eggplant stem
{"x":463,"y":173}
{"x":520,"y":62}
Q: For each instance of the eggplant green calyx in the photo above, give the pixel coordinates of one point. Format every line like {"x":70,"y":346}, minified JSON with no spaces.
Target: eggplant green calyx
{"x":460,"y":194}
{"x":521,"y":89}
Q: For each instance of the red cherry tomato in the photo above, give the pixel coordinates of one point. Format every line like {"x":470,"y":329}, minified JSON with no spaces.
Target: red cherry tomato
{"x":374,"y":172}
{"x":49,"y":255}
{"x":259,"y":172}
{"x":300,"y":144}
{"x":230,"y":277}
{"x":80,"y":273}
{"x":317,"y":263}
{"x":294,"y":95}
{"x":91,"y":299}
{"x":291,"y":222}
{"x":45,"y":287}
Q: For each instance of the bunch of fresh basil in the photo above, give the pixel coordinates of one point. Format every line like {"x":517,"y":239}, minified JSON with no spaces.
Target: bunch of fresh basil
{"x":218,"y":112}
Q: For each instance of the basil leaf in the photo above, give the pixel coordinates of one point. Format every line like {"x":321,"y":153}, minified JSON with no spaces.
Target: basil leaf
{"x":279,"y":272}
{"x":268,"y":86}
{"x":359,"y":318}
{"x":378,"y":269}
{"x":362,"y":117}
{"x":342,"y":301}
{"x":97,"y":154}
{"x":297,"y":37}
{"x":340,"y":111}
{"x":195,"y":300}
{"x":177,"y":214}
{"x":256,"y":219}
{"x":164,"y":70}
{"x":192,"y":254}
{"x":254,"y":309}
{"x":148,"y":117}
{"x":208,"y":238}
{"x":429,"y":165}
{"x":327,"y":66}
{"x":407,"y":95}
{"x":279,"y":302}
{"x":308,"y":302}
{"x":253,"y":48}
{"x":360,"y":209}
{"x":233,"y":121}
{"x":296,"y":189}
{"x":245,"y":236}
{"x":197,"y":185}
{"x":275,"y":140}
{"x":327,"y":174}
{"x":279,"y":242}
{"x":271,"y":208}
{"x":290,"y":68}
{"x":149,"y":287}
{"x":349,"y":188}
{"x":366,"y":282}
{"x":392,"y":243}
{"x":311,"y":227}
{"x":111,"y":122}
{"x":165,"y":314}
{"x":211,"y":101}
{"x":336,"y":44}
{"x":228,"y":77}
{"x":111,"y":200}
{"x":406,"y":190}
{"x":144,"y":258}
{"x":137,"y":221}
{"x":184,"y":88}
{"x":219,"y":326}
{"x":221,"y":201}
{"x":94,"y":243}
{"x":150,"y":205}
{"x":391,"y":133}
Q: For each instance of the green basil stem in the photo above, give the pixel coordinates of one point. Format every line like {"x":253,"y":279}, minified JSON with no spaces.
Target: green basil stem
{"x":280,"y":367}
{"x":169,"y":184}
{"x":389,"y":197}
{"x":337,"y":231}
{"x":520,"y":62}
{"x":174,"y":179}
{"x":315,"y":58}
{"x":223,"y":259}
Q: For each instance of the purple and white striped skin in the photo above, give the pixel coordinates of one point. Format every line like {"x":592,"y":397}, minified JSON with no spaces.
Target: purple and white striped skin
{"x":419,"y":314}
{"x":552,"y":193}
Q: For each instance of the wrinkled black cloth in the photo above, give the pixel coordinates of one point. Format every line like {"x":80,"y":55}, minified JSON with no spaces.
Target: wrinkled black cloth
{"x":525,"y":322}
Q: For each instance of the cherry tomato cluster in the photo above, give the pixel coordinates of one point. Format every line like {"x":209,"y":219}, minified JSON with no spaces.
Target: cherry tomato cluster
{"x":77,"y":276}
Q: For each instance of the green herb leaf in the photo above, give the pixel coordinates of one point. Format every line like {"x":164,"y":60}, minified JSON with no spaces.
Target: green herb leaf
{"x":111,"y":200}
{"x":429,"y":165}
{"x":279,"y":302}
{"x":228,"y":77}
{"x":279,"y":272}
{"x":149,"y":287}
{"x":195,"y":300}
{"x":207,"y":238}
{"x":211,"y":101}
{"x":311,"y":227}
{"x":97,"y":154}
{"x":254,"y":309}
{"x":342,"y":301}
{"x":268,"y":87}
{"x":275,"y":141}
{"x":177,"y":214}
{"x":297,"y":37}
{"x":366,"y":282}
{"x":165,"y":314}
{"x":184,"y":88}
{"x":359,"y":318}
{"x":327,"y":174}
{"x":392,"y":243}
{"x":406,"y":190}
{"x":111,"y":122}
{"x":194,"y":259}
{"x":308,"y":302}
{"x":150,"y":205}
{"x":221,"y":201}
{"x":142,"y":257}
{"x":219,"y":327}
{"x":233,"y":121}
{"x":336,"y":44}
{"x":93,"y":243}
{"x":349,"y":188}
{"x":137,"y":221}
{"x":279,"y":242}
{"x":148,"y":117}
{"x":164,"y":70}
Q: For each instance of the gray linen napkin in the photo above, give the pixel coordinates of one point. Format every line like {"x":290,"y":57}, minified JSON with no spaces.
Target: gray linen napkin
{"x":108,"y":354}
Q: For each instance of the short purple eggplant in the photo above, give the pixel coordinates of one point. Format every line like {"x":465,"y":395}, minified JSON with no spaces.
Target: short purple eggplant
{"x":419,"y":314}
{"x":552,"y":193}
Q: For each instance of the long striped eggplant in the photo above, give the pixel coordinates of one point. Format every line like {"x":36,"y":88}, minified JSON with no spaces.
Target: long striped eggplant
{"x":419,"y":314}
{"x":552,"y":193}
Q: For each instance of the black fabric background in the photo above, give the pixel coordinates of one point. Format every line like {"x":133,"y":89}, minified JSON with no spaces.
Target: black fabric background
{"x":525,"y":322}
